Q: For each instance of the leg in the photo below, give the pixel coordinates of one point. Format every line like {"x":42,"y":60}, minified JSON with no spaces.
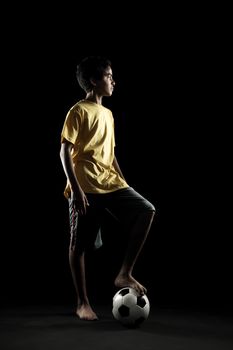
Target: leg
{"x":77,"y":266}
{"x":137,"y":239}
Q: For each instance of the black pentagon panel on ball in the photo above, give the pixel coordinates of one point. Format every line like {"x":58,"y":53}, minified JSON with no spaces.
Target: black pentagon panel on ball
{"x":141,"y":301}
{"x":124,"y":291}
{"x":123,"y":311}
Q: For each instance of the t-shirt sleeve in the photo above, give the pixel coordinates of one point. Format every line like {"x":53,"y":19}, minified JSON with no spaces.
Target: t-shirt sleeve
{"x":71,"y":126}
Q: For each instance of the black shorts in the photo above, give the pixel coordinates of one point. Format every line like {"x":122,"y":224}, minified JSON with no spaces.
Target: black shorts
{"x":124,"y":205}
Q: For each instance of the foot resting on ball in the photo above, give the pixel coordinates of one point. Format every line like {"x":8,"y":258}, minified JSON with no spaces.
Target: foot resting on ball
{"x":128,"y":281}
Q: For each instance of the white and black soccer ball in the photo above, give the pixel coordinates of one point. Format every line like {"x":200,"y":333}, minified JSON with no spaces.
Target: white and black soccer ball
{"x":130,"y":308}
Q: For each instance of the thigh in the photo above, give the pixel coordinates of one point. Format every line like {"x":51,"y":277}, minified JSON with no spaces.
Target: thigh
{"x":127,"y":204}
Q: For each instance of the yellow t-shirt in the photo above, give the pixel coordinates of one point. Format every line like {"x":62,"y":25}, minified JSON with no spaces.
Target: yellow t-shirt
{"x":90,"y":128}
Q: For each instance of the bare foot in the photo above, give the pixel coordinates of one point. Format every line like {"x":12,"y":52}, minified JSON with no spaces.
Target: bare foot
{"x":128,"y":281}
{"x":85,"y":312}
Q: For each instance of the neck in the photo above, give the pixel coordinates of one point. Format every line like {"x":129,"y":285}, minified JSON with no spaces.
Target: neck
{"x":90,"y":96}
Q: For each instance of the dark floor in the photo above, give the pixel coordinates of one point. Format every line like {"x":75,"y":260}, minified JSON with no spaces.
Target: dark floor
{"x":56,"y":327}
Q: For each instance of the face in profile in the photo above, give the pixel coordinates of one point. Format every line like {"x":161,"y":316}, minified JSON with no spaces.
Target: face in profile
{"x":105,"y":86}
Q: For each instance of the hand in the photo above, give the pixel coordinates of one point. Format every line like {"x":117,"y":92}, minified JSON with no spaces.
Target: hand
{"x":79,"y":202}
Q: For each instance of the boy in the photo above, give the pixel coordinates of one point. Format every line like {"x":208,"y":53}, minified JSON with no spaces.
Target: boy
{"x":95,"y":182}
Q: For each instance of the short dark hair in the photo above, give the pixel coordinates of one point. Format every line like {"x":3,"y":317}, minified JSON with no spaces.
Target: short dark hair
{"x":91,"y":67}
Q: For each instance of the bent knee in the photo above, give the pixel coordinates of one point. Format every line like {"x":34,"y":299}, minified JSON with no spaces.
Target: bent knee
{"x":151,"y":209}
{"x":149,"y":212}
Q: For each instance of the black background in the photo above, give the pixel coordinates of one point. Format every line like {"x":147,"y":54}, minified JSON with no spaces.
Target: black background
{"x":173,"y":145}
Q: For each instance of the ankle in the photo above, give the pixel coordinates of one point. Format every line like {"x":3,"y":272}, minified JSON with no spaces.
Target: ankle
{"x":125,"y":273}
{"x":83,"y":302}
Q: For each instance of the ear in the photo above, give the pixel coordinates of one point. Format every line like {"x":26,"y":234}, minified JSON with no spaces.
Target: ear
{"x":93,"y":81}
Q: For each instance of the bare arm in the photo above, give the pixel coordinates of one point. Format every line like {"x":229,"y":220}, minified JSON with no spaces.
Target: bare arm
{"x":117,"y":167}
{"x":79,"y":198}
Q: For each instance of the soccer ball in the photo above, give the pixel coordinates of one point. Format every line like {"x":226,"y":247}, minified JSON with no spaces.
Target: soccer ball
{"x":130,"y":308}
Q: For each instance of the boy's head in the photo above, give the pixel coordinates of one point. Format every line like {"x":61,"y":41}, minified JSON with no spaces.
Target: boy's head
{"x":89,"y":68}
